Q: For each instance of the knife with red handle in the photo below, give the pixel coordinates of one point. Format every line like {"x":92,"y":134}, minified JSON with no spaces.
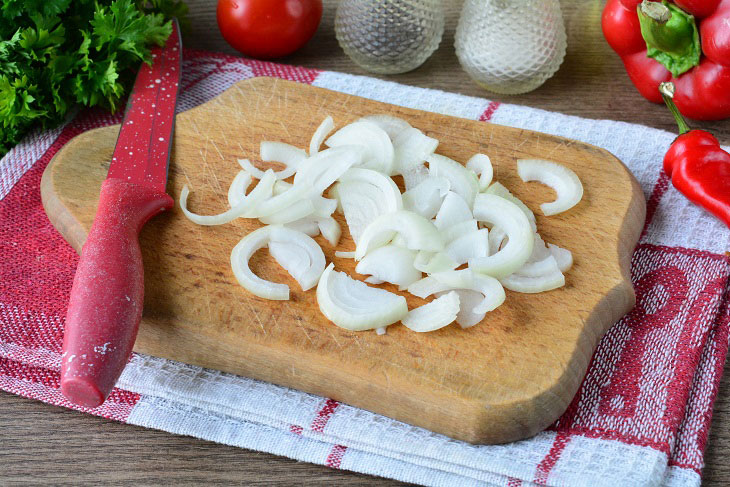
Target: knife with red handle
{"x":108,"y":289}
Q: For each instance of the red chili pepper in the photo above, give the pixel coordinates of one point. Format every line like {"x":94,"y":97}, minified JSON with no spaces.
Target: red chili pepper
{"x":699,"y":168}
{"x":661,"y":42}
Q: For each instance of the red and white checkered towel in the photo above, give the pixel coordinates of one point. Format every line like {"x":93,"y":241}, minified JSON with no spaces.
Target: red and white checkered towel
{"x":641,"y":416}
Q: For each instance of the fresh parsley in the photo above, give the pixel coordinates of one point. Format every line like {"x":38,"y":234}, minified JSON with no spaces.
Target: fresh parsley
{"x":59,"y":54}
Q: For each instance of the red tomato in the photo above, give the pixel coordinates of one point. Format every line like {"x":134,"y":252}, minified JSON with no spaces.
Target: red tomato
{"x":268,"y":28}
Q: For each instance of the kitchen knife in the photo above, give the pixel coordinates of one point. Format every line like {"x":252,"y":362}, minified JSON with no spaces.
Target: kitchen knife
{"x":108,"y":289}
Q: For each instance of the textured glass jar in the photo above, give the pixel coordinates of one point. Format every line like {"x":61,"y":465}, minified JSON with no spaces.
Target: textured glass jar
{"x":389,"y":36}
{"x":511,"y":46}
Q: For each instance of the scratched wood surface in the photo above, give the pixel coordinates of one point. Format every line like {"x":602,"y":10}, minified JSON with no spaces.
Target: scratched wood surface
{"x":60,"y":444}
{"x":502,"y":380}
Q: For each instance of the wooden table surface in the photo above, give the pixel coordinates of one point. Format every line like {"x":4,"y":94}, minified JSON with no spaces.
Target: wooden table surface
{"x":42,"y":444}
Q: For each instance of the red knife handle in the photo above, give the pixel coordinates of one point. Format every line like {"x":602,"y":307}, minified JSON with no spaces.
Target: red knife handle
{"x":108,"y":292}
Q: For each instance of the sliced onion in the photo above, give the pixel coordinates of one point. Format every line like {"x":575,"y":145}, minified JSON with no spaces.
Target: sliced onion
{"x":508,"y":216}
{"x":496,"y":238}
{"x":295,"y":211}
{"x":563,"y":180}
{"x":415,"y":176}
{"x":499,"y":189}
{"x":418,"y":233}
{"x":378,"y":149}
{"x":304,"y":259}
{"x":324,"y":168}
{"x":482,"y":165}
{"x":245,"y":207}
{"x":320,"y":134}
{"x":438,"y":313}
{"x":563,"y":257}
{"x":469,"y":300}
{"x":373,"y":280}
{"x":344,"y":254}
{"x":363,"y":202}
{"x":356,"y":306}
{"x":458,"y":229}
{"x":430,"y":262}
{"x":539,"y":249}
{"x":490,"y":287}
{"x":323,"y":207}
{"x":306,"y":275}
{"x":305,"y":225}
{"x":537,"y":284}
{"x":381,"y":330}
{"x":391,"y":125}
{"x":411,"y":148}
{"x":468,"y":246}
{"x":238,"y":188}
{"x":539,"y":267}
{"x":387,"y":188}
{"x":330,"y":229}
{"x":453,"y":210}
{"x":426,"y":198}
{"x":463,"y":181}
{"x":284,"y":153}
{"x":281,"y":187}
{"x":391,"y":264}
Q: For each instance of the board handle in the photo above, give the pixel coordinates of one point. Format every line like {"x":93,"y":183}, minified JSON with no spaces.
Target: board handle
{"x":107,"y":293}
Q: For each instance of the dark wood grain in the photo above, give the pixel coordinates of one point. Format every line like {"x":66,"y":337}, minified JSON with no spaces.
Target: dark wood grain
{"x":42,"y":444}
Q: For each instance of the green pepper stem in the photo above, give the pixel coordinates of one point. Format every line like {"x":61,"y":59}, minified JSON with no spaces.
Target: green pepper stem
{"x":667,"y":91}
{"x":671,"y":35}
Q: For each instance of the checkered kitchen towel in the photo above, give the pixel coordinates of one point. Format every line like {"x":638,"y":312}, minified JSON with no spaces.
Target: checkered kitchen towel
{"x":641,"y":416}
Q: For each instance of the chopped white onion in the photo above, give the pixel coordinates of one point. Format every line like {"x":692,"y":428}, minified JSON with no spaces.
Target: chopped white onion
{"x":563,"y":180}
{"x":356,"y":306}
{"x":496,"y":238}
{"x":307,"y":274}
{"x":512,"y":220}
{"x":320,"y":134}
{"x":391,"y":264}
{"x":498,"y":189}
{"x":363,"y":202}
{"x":330,"y":229}
{"x":468,"y":246}
{"x":411,"y":148}
{"x":245,"y":207}
{"x":344,"y":254}
{"x":305,"y":225}
{"x":482,"y":165}
{"x":458,"y":229}
{"x":324,"y":168}
{"x":463,"y":181}
{"x":284,"y":153}
{"x":238,"y":188}
{"x":390,"y":124}
{"x":469,"y":300}
{"x":490,"y":287}
{"x":387,"y":188}
{"x":373,"y":280}
{"x":417,"y":232}
{"x":415,"y":176}
{"x":295,"y":211}
{"x":323,"y":207}
{"x":531,"y":285}
{"x":430,"y":262}
{"x":453,"y":210}
{"x":426,"y":198}
{"x":440,"y":312}
{"x":563,"y":257}
{"x":378,"y":149}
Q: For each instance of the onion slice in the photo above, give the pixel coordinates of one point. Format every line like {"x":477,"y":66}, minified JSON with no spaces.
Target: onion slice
{"x":562,"y":179}
{"x":392,"y":264}
{"x":430,"y":262}
{"x":498,"y":189}
{"x":390,"y":124}
{"x":320,"y":134}
{"x":410,"y":149}
{"x":415,"y":176}
{"x":463,"y":181}
{"x":378,"y":149}
{"x":563,"y":257}
{"x":330,"y":229}
{"x":453,"y":210}
{"x":245,"y":207}
{"x":440,"y":312}
{"x":468,"y":246}
{"x":456,"y":230}
{"x":418,"y":233}
{"x":466,"y":318}
{"x":512,"y":220}
{"x":490,"y":287}
{"x":482,"y":165}
{"x":426,"y":198}
{"x":307,"y":270}
{"x":239,"y":186}
{"x":354,"y":305}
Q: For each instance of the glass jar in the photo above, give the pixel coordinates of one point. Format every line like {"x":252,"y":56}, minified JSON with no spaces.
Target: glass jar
{"x":389,"y":36}
{"x":511,"y":46}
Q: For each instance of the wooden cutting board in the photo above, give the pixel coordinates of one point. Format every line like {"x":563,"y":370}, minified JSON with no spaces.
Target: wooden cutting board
{"x":502,"y":380}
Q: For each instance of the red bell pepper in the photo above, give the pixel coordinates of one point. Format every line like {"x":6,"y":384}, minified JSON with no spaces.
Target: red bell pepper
{"x":686,"y":42}
{"x":699,"y":168}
